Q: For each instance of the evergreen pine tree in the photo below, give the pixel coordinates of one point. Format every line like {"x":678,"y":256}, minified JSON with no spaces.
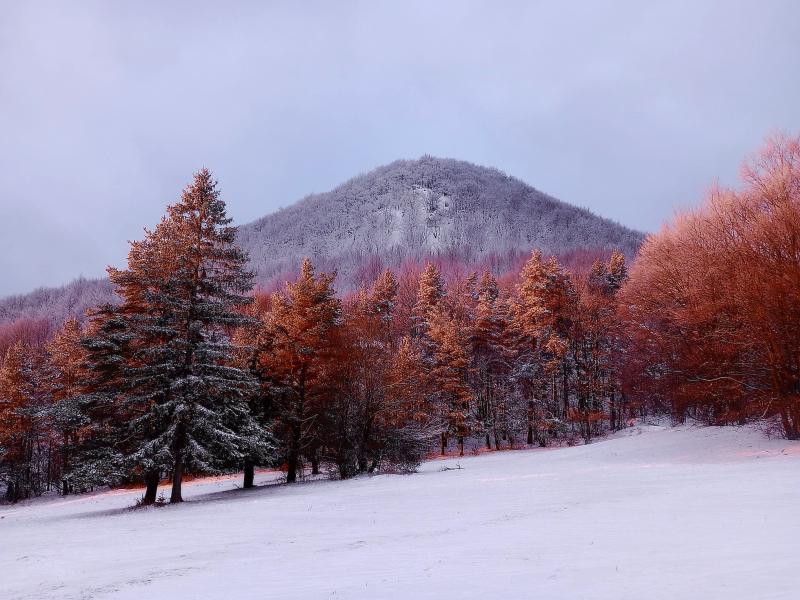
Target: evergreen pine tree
{"x":21,"y":423}
{"x":487,"y":330}
{"x":489,"y":353}
{"x":383,"y":299}
{"x":183,"y":286}
{"x":105,"y":430}
{"x":541,"y":324}
{"x":617,"y":271}
{"x":430,"y":293}
{"x":450,"y":341}
{"x":64,"y":376}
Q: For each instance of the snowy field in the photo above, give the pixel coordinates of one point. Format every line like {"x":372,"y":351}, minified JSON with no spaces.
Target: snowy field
{"x":686,"y":512}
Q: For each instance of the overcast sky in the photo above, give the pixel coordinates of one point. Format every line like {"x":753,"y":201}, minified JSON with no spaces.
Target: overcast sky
{"x":628,"y":108}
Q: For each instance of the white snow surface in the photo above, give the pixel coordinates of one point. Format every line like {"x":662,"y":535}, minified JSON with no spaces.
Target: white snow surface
{"x":684,"y":512}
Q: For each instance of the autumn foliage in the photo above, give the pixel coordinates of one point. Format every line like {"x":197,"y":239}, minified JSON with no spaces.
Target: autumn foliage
{"x":190,"y":376}
{"x":713,"y":309}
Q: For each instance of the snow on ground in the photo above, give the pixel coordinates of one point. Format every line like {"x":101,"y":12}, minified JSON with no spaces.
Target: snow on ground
{"x":684,"y":512}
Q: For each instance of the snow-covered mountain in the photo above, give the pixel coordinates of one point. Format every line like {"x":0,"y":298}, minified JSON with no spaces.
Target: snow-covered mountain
{"x":426,"y":208}
{"x":431,"y":207}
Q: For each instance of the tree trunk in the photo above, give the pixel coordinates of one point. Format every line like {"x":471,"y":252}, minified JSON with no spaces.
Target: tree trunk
{"x":64,"y":487}
{"x":294,"y":452}
{"x":49,"y":461}
{"x":177,"y":477}
{"x":788,"y":427}
{"x":315,"y":462}
{"x":613,"y":411}
{"x":488,"y":442}
{"x":461,"y":445}
{"x":151,"y":481}
{"x":291,"y":468}
{"x":795,"y":415}
{"x":555,"y":395}
{"x":249,"y":473}
{"x":530,"y":422}
{"x":444,"y":444}
{"x":11,"y":494}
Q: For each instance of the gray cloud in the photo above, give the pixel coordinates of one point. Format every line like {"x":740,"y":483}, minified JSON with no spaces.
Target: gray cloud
{"x":628,"y":108}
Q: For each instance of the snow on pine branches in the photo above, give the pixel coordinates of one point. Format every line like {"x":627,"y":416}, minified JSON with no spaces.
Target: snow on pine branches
{"x":183,"y":399}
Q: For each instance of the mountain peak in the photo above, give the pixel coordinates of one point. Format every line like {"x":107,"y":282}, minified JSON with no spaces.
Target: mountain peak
{"x":425,"y":208}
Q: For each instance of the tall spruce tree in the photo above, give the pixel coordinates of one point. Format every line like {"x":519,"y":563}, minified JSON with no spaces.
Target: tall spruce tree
{"x":181,"y":290}
{"x":103,"y":428}
{"x":383,"y":300}
{"x":64,"y":376}
{"x":22,"y":423}
{"x":293,"y":346}
{"x":449,"y":369}
{"x":430,"y":294}
{"x":489,"y":353}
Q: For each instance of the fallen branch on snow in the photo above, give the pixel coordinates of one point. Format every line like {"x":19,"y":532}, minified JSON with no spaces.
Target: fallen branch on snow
{"x":458,"y":467}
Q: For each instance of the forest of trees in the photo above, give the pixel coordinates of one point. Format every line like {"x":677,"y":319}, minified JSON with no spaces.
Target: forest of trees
{"x":195,"y":373}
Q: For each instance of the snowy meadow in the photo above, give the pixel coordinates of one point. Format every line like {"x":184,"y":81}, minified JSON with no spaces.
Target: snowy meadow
{"x":684,"y":512}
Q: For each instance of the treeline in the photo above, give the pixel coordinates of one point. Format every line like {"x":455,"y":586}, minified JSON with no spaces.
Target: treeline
{"x":193,"y":374}
{"x":56,"y":304}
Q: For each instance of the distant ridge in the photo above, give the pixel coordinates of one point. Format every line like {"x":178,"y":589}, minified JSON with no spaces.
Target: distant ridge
{"x":410,"y":209}
{"x":58,"y":303}
{"x":430,"y":207}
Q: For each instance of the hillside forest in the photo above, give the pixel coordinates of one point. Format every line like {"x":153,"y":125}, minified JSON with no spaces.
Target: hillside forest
{"x":196,"y":371}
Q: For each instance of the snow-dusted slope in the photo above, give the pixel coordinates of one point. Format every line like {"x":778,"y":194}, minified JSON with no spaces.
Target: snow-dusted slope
{"x":419,"y":208}
{"x":678,"y":513}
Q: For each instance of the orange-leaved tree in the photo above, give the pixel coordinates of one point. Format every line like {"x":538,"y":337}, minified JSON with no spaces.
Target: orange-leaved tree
{"x":713,"y":302}
{"x":293,"y":347}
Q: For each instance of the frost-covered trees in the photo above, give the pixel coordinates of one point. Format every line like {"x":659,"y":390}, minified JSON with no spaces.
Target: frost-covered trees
{"x":340,"y":381}
{"x":448,"y":337}
{"x":594,"y":343}
{"x":426,"y":209}
{"x":430,"y":294}
{"x":541,"y":322}
{"x":371,"y":382}
{"x":382,"y":302}
{"x":184,"y":398}
{"x":492,"y":356}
